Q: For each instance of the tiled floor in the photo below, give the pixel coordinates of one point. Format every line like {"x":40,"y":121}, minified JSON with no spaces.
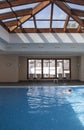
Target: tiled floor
{"x":41,"y":83}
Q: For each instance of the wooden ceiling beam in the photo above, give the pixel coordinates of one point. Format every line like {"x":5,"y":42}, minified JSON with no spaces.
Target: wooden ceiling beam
{"x":77,"y":12}
{"x":66,"y":23}
{"x":51,"y":15}
{"x":18,"y":3}
{"x":19,"y":14}
{"x":11,"y":23}
{"x":67,"y":10}
{"x":78,"y":2}
{"x":35,"y":22}
{"x":14,"y":13}
{"x":14,"y":22}
{"x":79,"y":28}
{"x":37,"y":9}
{"x":47,"y":30}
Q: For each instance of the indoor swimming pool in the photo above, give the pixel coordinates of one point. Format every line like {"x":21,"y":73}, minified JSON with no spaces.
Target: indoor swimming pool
{"x":42,"y":108}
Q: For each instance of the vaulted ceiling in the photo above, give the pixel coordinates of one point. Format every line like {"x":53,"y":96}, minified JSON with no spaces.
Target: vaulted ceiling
{"x":42,"y":16}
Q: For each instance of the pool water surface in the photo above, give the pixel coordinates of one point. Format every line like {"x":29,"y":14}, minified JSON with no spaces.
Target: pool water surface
{"x":41,"y":108}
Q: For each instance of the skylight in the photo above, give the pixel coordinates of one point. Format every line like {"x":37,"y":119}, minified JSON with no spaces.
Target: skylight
{"x":58,"y":13}
{"x":28,"y":24}
{"x":5,"y":10}
{"x":24,"y":6}
{"x":76,"y":6}
{"x":15,"y":15}
{"x":58,"y":24}
{"x":44,"y":14}
{"x":43,"y":24}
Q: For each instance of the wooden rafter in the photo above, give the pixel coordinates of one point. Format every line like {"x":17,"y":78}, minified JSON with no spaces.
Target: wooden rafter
{"x":35,"y":22}
{"x":11,"y":23}
{"x":14,"y":22}
{"x":37,"y":9}
{"x":18,"y":3}
{"x":79,"y":2}
{"x":77,"y":12}
{"x":51,"y":17}
{"x":19,"y":14}
{"x":47,"y":30}
{"x":66,"y":22}
{"x":67,"y":10}
{"x":14,"y":14}
{"x":79,"y":28}
{"x":26,"y":14}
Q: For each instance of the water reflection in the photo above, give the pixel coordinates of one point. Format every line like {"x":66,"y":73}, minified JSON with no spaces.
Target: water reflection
{"x":43,"y":98}
{"x":76,"y":100}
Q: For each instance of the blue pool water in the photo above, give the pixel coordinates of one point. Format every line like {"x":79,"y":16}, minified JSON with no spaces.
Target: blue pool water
{"x":41,"y":108}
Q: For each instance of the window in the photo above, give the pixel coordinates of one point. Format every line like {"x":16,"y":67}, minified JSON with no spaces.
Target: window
{"x":63,"y":68}
{"x":48,"y":68}
{"x":34,"y":69}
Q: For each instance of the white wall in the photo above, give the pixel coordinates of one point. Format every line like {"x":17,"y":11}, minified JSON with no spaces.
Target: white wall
{"x":74,"y":68}
{"x":8,"y":68}
{"x":13,"y":68}
{"x":22,"y":68}
{"x":81,"y":65}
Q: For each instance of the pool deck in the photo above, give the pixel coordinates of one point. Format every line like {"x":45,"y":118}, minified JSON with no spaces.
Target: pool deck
{"x":25,"y":84}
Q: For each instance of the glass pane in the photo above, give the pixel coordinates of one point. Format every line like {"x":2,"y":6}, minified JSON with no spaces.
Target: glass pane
{"x":66,"y":64}
{"x":52,"y":68}
{"x":58,"y":13}
{"x":35,"y":70}
{"x":28,"y":24}
{"x":31,"y":68}
{"x":46,"y":68}
{"x":5,"y":10}
{"x":38,"y":69}
{"x":66,"y":69}
{"x":76,"y":6}
{"x":72,"y":24}
{"x":43,"y":24}
{"x":24,"y":6}
{"x":58,"y":24}
{"x":59,"y":68}
{"x":9,"y":20}
{"x":44,"y":14}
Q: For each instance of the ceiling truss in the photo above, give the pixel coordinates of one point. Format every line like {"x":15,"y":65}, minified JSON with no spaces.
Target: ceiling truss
{"x":13,"y":21}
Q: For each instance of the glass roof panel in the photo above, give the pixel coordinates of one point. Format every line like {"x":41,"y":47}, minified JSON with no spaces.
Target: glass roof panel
{"x":24,"y":6}
{"x":43,"y":24}
{"x":28,"y":24}
{"x":58,"y":13}
{"x":75,"y":6}
{"x":1,"y":1}
{"x":8,"y":20}
{"x":5,"y":10}
{"x":44,"y":14}
{"x":58,"y":24}
{"x":72,"y":24}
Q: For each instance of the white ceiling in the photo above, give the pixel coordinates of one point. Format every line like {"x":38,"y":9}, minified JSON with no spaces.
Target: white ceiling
{"x":42,"y":43}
